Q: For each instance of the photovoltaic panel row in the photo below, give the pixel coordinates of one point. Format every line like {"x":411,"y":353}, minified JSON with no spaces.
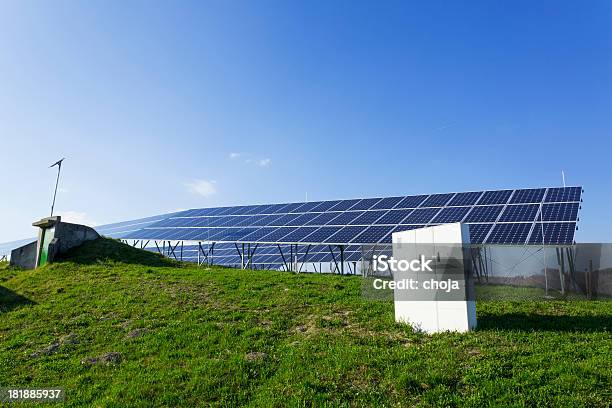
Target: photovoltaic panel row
{"x":351,"y":219}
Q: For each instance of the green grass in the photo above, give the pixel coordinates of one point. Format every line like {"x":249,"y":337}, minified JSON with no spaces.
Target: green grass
{"x":324,"y":344}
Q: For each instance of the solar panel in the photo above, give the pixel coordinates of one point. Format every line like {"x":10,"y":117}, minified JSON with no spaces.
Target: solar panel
{"x":465,"y":198}
{"x":495,"y":197}
{"x":509,"y":233}
{"x":322,"y":234}
{"x":495,"y":217}
{"x":559,"y":212}
{"x":561,"y":233}
{"x":325,"y":206}
{"x":451,"y":214}
{"x":366,"y":204}
{"x":532,"y":195}
{"x":411,"y":201}
{"x":368,"y":217}
{"x":374,"y":234}
{"x":437,"y":200}
{"x":394,"y":217}
{"x":563,"y":194}
{"x":345,"y":234}
{"x":387,"y":203}
{"x":421,"y":216}
{"x":478,"y":232}
{"x":345,"y":205}
{"x":324,"y":218}
{"x":516,"y":213}
{"x":485,"y":213}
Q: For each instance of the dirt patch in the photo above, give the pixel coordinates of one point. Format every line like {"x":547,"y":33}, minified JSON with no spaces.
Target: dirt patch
{"x":50,"y":349}
{"x":54,"y":347}
{"x":112,"y":358}
{"x":137,"y":333}
{"x":256,"y":356}
{"x":69,"y":339}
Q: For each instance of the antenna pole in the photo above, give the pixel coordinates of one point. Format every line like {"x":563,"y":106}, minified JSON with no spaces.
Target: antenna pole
{"x":563,"y":177}
{"x":59,"y":169}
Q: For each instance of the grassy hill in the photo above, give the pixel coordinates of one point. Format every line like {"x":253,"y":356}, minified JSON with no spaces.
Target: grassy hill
{"x":148,"y":331}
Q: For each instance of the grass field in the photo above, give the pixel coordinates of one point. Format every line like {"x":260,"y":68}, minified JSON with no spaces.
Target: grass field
{"x":152,"y":332}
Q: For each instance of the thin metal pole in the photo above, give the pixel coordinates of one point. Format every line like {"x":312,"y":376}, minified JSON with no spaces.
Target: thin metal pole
{"x":59,"y":169}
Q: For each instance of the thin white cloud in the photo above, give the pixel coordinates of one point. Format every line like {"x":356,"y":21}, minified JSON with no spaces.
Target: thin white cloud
{"x":247,"y":158}
{"x":77,"y":217}
{"x":205,"y":188}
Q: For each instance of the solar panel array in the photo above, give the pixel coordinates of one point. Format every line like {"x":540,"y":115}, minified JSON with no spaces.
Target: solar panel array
{"x":502,"y":217}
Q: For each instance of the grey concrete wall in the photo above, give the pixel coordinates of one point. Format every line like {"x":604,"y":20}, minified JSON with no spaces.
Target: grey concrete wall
{"x":25,"y":256}
{"x":68,"y":236}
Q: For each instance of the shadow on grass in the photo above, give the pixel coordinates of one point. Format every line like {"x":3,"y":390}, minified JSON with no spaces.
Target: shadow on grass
{"x":10,"y":300}
{"x":534,"y":322}
{"x":106,"y":249}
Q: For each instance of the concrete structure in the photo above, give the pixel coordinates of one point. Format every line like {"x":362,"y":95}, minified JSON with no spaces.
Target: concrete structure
{"x":55,"y":237}
{"x":436,"y":311}
{"x":25,"y":256}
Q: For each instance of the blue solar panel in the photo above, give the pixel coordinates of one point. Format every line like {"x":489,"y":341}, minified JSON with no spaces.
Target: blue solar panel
{"x":277,"y":234}
{"x":532,"y":195}
{"x":309,"y":206}
{"x":374,"y":234}
{"x":285,"y":220}
{"x":387,"y":203}
{"x":325,"y":206}
{"x":258,"y":234}
{"x":485,"y":213}
{"x":563,"y":194}
{"x":394,"y":217}
{"x":366,"y":203}
{"x":344,"y":205}
{"x":217,"y":210}
{"x":368,"y":217}
{"x":289,"y":208}
{"x":509,"y":233}
{"x":322,"y":234}
{"x":517,"y":213}
{"x":300,"y":208}
{"x":300,"y":222}
{"x":270,"y":220}
{"x":478,"y":232}
{"x":437,"y":200}
{"x":240,"y":210}
{"x":411,"y":201}
{"x":451,"y":214}
{"x":323,"y":218}
{"x":346,"y":217}
{"x":559,"y":212}
{"x":259,"y":209}
{"x":421,"y":216}
{"x":279,"y":208}
{"x":401,"y":228}
{"x":345,"y":234}
{"x":561,"y":233}
{"x":495,"y":197}
{"x":302,"y":219}
{"x":469,"y":198}
{"x":299,"y":234}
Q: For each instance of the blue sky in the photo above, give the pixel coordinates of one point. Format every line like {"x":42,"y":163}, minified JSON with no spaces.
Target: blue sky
{"x":170,"y":105}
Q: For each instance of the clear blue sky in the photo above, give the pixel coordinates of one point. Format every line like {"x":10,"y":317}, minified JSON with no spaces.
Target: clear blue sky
{"x":170,"y":105}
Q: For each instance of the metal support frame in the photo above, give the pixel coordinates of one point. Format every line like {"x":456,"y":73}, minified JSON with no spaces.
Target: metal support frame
{"x":305,"y":258}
